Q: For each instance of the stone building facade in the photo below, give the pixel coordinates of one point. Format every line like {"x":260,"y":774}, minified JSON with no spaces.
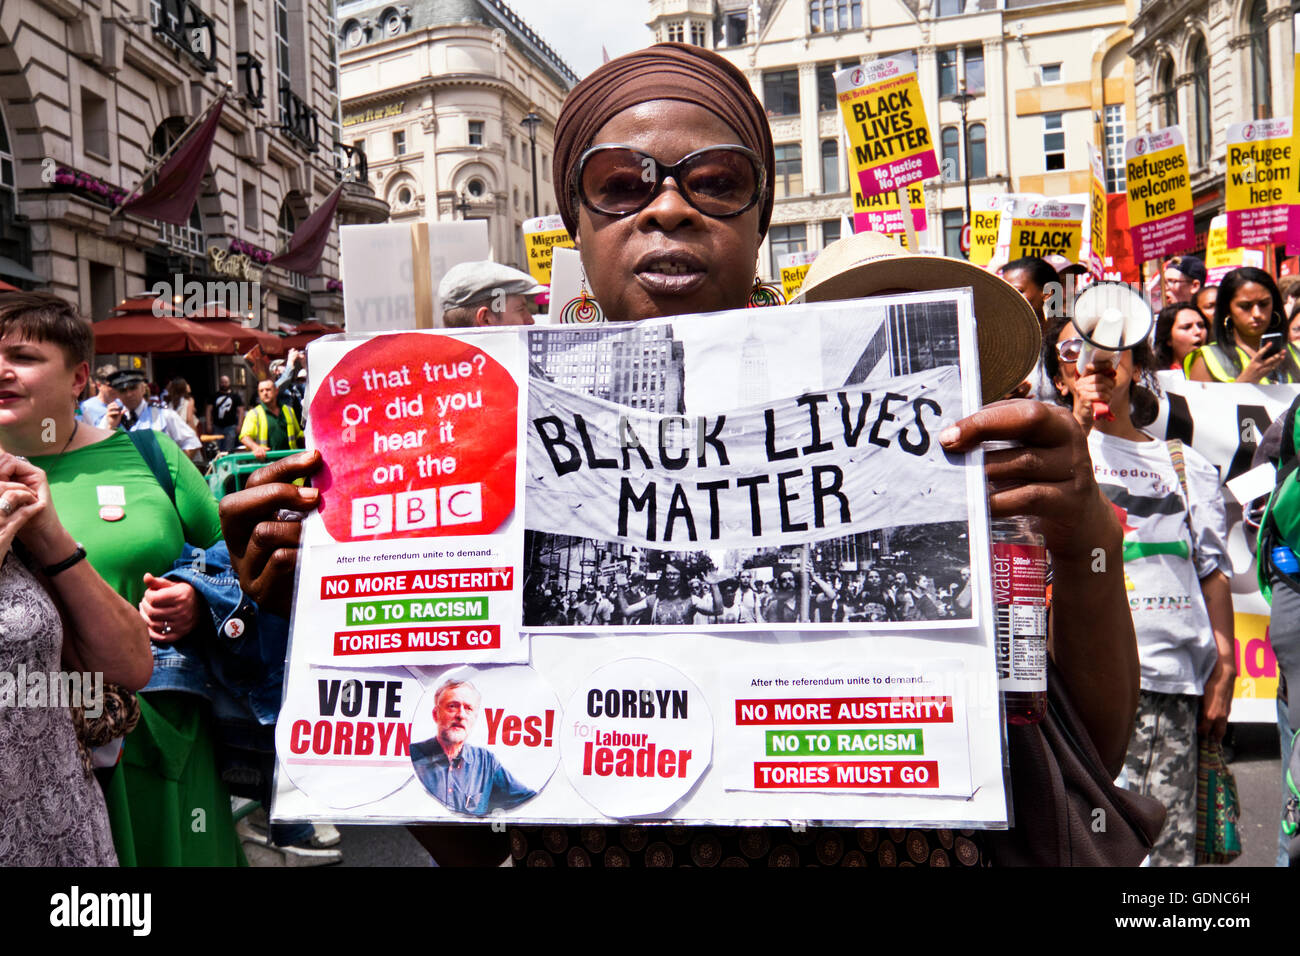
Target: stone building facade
{"x":1046,"y":78}
{"x":436,"y":91}
{"x":93,"y":91}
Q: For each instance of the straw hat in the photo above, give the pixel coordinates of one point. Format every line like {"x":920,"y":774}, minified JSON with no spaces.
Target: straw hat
{"x":869,"y":263}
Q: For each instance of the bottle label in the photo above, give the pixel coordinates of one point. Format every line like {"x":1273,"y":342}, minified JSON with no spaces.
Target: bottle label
{"x":1020,"y":616}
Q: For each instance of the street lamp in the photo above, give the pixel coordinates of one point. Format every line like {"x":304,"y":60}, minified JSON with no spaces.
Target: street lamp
{"x":963,"y":100}
{"x":531,"y":122}
{"x":462,"y":205}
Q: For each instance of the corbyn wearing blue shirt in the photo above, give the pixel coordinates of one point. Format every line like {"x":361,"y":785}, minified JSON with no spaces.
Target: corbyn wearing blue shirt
{"x":464,"y":778}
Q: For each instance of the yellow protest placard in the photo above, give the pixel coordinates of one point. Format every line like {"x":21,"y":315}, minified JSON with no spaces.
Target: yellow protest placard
{"x":1097,"y":218}
{"x":1038,"y":227}
{"x":890,"y":144}
{"x":1159,"y":194}
{"x":985,"y":217}
{"x":541,"y":236}
{"x":883,"y":212}
{"x":794,"y":266}
{"x":1220,"y":257}
{"x":1258,"y":181}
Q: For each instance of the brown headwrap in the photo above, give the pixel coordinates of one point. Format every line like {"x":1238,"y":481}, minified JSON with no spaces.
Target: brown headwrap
{"x":665,"y":71}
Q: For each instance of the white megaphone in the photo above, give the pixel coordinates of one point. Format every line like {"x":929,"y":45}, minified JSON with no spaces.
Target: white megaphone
{"x":1109,"y":317}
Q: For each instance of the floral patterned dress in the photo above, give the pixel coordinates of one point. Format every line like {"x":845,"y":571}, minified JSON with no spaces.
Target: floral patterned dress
{"x":52,"y":811}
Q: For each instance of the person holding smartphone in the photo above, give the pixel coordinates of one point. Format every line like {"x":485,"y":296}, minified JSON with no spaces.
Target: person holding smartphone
{"x":1249,"y":333}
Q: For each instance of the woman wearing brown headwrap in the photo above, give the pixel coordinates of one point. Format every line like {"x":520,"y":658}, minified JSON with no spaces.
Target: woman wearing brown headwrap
{"x":662,"y":162}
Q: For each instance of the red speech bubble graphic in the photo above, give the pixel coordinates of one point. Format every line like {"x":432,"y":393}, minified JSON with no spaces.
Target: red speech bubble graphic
{"x":418,"y":435}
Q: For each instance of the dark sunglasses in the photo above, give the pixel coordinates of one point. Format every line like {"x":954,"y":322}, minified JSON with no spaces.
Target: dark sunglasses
{"x":1070,"y":350}
{"x":719,"y":181}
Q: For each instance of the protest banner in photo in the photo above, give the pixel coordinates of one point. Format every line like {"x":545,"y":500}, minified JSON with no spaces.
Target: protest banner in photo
{"x":1258,"y":182}
{"x":413,"y":555}
{"x":700,"y":468}
{"x":1225,"y":422}
{"x":391,"y":271}
{"x":890,"y":144}
{"x":1220,"y":259}
{"x":1097,"y":217}
{"x":542,"y":235}
{"x":794,"y":266}
{"x":883,"y":213}
{"x":1159,"y":193}
{"x":1041,"y":227}
{"x":986,"y":218}
{"x":609,"y":721}
{"x":881,"y":726}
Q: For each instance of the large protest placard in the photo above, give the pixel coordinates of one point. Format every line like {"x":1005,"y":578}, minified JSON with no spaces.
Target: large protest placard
{"x":1220,"y":258}
{"x":775,"y":441}
{"x":890,"y":144}
{"x":883,"y":212}
{"x":1258,"y":180}
{"x":391,"y":271}
{"x":1097,"y":218}
{"x":1293,"y":217}
{"x":986,"y":219}
{"x":1041,"y":227}
{"x":1224,"y":422}
{"x":1159,"y":189}
{"x":542,"y":235}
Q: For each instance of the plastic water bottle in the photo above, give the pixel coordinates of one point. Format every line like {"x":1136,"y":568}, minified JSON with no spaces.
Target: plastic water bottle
{"x":1020,"y":617}
{"x":1284,"y":560}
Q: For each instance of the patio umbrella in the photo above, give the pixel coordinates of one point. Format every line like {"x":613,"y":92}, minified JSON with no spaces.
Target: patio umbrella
{"x":308,"y":331}
{"x":218,"y":317}
{"x":146,"y":332}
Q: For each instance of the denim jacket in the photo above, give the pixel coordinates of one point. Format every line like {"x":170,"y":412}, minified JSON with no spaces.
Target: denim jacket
{"x":240,"y":656}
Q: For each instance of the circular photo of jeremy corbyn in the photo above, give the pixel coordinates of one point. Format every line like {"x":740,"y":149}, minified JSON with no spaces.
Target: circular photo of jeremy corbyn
{"x":485,"y":738}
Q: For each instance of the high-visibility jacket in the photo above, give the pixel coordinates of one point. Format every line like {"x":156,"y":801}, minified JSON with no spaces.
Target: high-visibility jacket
{"x":1220,"y":366}
{"x":256,"y":425}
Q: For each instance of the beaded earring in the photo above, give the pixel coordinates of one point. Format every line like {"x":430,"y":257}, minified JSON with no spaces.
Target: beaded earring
{"x":764,"y":294}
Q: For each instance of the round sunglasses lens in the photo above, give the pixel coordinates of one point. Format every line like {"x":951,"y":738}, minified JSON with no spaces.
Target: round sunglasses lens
{"x":618,"y":180}
{"x":720,"y":181}
{"x":1070,"y":349}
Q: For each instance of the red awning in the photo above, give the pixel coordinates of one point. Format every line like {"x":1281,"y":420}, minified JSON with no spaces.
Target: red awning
{"x":146,"y":332}
{"x":143,"y":304}
{"x":6,"y":287}
{"x":309,"y":331}
{"x":219,"y":318}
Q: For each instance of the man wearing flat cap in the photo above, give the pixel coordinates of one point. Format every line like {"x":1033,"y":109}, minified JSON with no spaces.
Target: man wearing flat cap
{"x":1184,"y":277}
{"x":484,"y":294}
{"x":128,"y":409}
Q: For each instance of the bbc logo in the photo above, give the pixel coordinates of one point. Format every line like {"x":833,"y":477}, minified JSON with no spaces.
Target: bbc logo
{"x":413,"y":510}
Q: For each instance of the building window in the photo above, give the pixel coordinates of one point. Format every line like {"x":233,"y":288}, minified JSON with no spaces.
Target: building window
{"x":1201,"y":100}
{"x":1051,"y":72}
{"x":476,"y":132}
{"x":1116,"y":176}
{"x":830,"y":231}
{"x":1053,"y":141}
{"x":675,"y":32}
{"x":949,"y":8}
{"x":516,"y":200}
{"x":950,"y":141}
{"x":735,"y":28}
{"x":6,"y":157}
{"x":787,"y":177}
{"x":399,"y":142}
{"x":826,"y":99}
{"x":785,"y":240}
{"x":832,"y":16}
{"x":546,"y":167}
{"x":1261,"y":88}
{"x":280,"y":44}
{"x":974,"y":71}
{"x":830,"y":166}
{"x":475,"y":188}
{"x":947,"y":72}
{"x":697,"y":34}
{"x":252,"y":214}
{"x":1167,"y":95}
{"x":514,"y":148}
{"x":94,"y":124}
{"x":781,"y":93}
{"x":977,"y":151}
{"x":953,"y":220}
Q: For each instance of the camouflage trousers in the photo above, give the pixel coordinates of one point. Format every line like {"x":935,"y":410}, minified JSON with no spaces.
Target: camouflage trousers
{"x":1161,"y":763}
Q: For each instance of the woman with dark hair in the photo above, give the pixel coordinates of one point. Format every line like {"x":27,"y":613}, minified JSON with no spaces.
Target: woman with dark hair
{"x":181,"y":401}
{"x":1180,"y":331}
{"x":664,"y":162}
{"x":1249,"y":306}
{"x":1033,"y":277}
{"x":1176,"y":544}
{"x":674,"y":601}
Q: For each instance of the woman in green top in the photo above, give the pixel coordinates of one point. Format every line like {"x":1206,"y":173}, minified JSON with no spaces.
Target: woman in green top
{"x":1248,"y":307}
{"x":166,"y":802}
